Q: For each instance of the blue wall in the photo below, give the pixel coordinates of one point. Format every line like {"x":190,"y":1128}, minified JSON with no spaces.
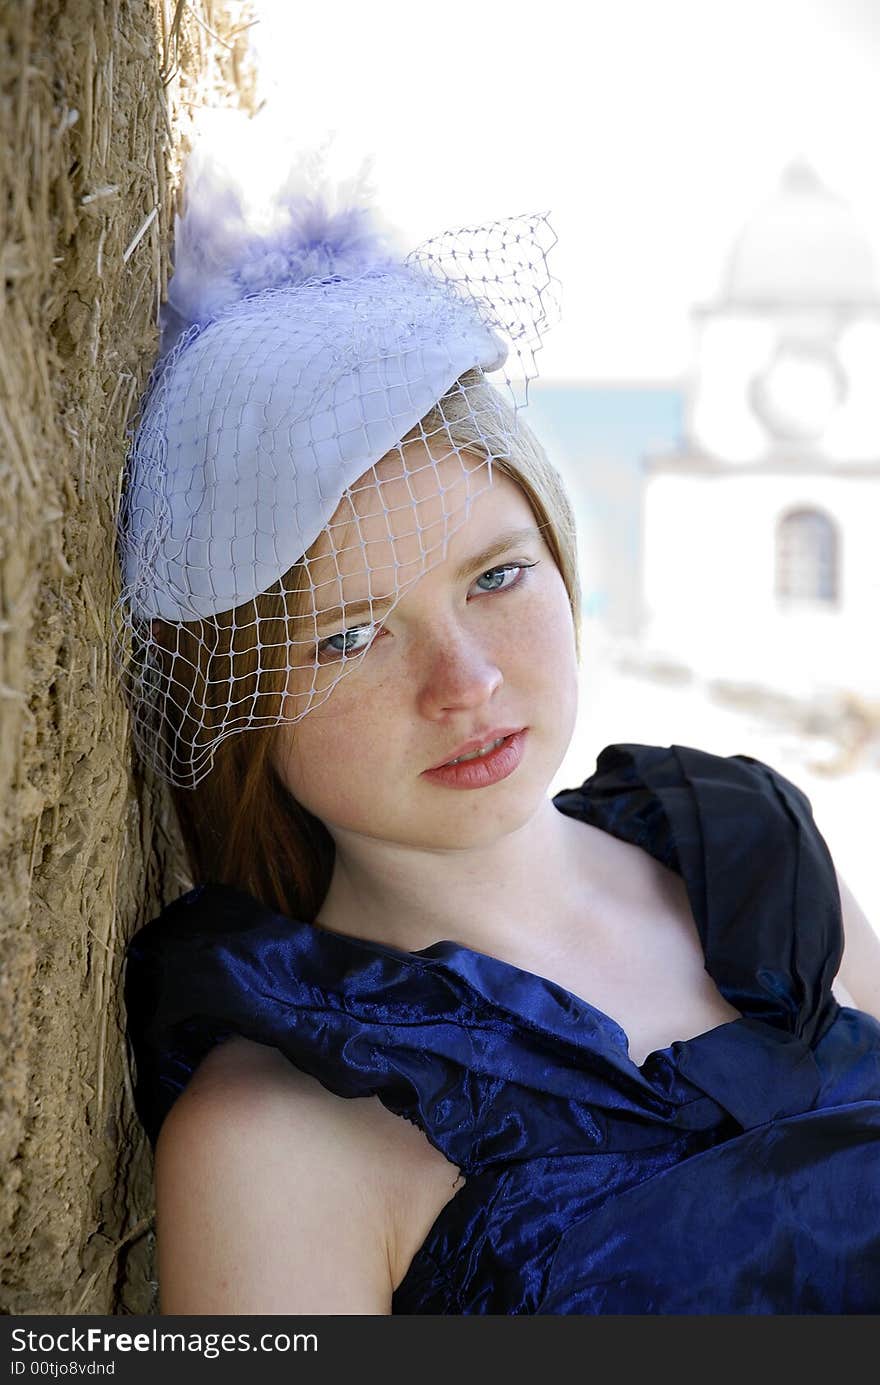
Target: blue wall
{"x":597,"y":436}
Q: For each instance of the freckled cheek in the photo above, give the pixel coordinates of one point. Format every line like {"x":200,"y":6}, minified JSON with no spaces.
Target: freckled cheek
{"x":337,"y":754}
{"x":543,"y":639}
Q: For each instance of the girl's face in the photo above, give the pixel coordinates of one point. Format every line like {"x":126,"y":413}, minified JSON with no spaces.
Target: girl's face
{"x":481,"y":643}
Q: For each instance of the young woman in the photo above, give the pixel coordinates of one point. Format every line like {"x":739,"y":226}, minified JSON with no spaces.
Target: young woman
{"x":630,"y":1075}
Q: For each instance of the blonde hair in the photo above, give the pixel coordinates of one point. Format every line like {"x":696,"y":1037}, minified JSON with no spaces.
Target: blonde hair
{"x":241,"y":826}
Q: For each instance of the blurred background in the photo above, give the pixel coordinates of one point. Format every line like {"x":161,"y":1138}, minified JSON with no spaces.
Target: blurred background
{"x":712,"y":391}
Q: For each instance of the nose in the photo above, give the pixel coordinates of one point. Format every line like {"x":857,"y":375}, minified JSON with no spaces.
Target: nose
{"x":459,"y":672}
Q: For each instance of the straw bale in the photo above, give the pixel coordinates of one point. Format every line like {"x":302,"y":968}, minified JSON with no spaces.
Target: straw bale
{"x":96,"y":106}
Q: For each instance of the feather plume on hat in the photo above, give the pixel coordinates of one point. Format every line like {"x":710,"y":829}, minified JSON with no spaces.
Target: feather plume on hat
{"x":313,"y":227}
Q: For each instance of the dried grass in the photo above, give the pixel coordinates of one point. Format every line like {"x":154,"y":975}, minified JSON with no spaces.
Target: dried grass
{"x":96,"y":102}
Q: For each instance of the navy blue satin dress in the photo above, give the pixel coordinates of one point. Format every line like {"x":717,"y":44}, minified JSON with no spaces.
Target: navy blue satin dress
{"x":734,"y":1172}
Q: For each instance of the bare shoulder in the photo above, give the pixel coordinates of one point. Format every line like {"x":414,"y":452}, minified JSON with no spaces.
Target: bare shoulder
{"x":271,"y":1192}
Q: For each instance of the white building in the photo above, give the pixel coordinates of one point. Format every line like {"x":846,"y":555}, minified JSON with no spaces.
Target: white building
{"x":761,"y":553}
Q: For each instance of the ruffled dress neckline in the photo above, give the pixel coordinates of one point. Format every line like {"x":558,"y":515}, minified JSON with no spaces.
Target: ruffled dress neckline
{"x":667,"y":800}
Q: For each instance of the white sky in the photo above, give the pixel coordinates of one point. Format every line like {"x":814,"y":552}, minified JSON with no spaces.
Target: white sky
{"x":649,"y":131}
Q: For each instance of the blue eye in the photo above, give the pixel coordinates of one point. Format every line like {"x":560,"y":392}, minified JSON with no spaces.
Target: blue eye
{"x":344,"y":649}
{"x":493,"y":572}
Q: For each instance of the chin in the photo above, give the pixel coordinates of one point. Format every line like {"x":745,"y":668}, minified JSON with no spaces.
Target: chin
{"x":485,"y":816}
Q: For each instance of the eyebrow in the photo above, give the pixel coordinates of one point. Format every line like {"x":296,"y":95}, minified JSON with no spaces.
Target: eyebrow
{"x":478,"y":562}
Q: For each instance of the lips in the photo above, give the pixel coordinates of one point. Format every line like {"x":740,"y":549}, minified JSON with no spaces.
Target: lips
{"x":477,"y":743}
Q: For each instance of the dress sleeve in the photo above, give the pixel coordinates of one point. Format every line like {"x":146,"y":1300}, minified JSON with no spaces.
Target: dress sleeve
{"x":774,"y":932}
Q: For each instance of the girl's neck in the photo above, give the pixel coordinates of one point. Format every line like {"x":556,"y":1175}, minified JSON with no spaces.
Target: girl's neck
{"x":492,"y":899}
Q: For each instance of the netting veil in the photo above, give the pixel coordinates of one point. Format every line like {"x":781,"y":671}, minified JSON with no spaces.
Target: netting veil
{"x":284,"y":484}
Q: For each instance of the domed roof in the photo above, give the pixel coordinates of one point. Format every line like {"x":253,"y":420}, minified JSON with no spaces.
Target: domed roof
{"x":802,"y":247}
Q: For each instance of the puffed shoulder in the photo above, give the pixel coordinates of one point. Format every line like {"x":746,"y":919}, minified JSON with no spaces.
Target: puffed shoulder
{"x":760,"y":877}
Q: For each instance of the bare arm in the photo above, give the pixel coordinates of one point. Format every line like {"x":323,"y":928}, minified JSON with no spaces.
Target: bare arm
{"x":860,"y":967}
{"x":267,"y":1198}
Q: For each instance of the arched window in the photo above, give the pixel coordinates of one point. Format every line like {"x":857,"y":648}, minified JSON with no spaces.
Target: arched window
{"x":807,"y":557}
